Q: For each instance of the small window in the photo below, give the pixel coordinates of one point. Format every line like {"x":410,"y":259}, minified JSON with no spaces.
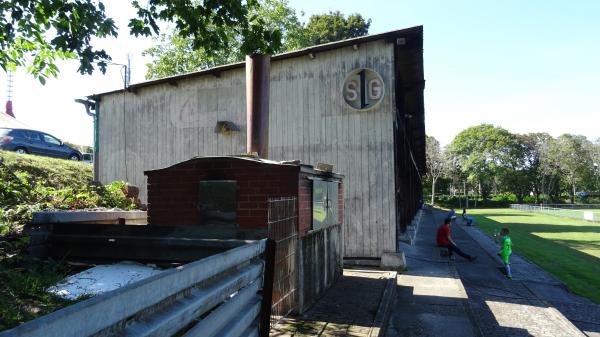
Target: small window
{"x":51,"y":140}
{"x":32,"y":136}
{"x":217,"y":202}
{"x":17,"y":134}
{"x":325,"y":203}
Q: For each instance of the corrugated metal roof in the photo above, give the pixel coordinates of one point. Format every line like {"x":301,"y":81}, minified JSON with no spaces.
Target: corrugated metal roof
{"x":390,"y":36}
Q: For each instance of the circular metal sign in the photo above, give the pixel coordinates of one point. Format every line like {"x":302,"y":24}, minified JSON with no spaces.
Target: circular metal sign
{"x":363,"y":89}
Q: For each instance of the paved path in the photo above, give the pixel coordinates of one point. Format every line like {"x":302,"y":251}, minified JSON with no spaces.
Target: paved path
{"x":438,"y":297}
{"x":349,"y":308}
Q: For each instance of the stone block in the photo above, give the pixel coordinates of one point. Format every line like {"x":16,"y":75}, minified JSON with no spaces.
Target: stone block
{"x":393,"y":261}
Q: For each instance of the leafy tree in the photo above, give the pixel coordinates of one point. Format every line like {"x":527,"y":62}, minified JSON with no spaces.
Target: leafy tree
{"x":483,"y":152}
{"x":176,"y":54}
{"x":334,"y":26}
{"x":436,"y":163}
{"x":37,"y":33}
{"x":575,"y":161}
{"x":541,"y":173}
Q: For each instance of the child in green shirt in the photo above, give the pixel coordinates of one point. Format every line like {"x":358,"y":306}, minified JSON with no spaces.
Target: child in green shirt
{"x":506,"y":250}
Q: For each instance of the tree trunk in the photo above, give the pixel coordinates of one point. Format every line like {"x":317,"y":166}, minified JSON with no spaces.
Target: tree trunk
{"x":432,"y":192}
{"x":573,"y":193}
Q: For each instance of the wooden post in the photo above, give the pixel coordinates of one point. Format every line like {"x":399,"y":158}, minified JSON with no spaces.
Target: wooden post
{"x":267,"y":291}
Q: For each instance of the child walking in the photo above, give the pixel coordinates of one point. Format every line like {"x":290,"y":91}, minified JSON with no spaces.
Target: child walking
{"x":506,"y":250}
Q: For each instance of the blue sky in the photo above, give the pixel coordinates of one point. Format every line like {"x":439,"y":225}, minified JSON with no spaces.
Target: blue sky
{"x":528,"y":66}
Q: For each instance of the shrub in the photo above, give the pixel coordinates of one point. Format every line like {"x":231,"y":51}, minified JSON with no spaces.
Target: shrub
{"x":508,"y":198}
{"x":30,"y":183}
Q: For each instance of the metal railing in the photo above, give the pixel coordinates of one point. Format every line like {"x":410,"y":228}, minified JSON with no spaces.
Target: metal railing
{"x":573,"y":206}
{"x":588,"y":214}
{"x":216,"y":296}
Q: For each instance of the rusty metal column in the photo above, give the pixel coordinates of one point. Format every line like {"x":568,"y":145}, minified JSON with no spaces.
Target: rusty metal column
{"x":258,"y":69}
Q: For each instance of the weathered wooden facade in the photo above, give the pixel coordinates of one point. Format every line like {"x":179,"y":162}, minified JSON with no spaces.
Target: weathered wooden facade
{"x":379,"y":149}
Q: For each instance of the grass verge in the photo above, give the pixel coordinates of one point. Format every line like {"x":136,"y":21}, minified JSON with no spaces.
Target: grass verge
{"x":567,"y":248}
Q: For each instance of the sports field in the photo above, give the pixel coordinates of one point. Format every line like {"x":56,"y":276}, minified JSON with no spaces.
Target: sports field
{"x":567,"y":248}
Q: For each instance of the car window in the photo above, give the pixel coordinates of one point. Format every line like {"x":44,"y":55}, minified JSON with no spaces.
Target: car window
{"x":51,"y":140}
{"x":32,"y":136}
{"x":17,"y":134}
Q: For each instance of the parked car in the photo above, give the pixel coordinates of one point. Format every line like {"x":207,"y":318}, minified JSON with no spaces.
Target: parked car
{"x":36,"y":142}
{"x":88,"y":158}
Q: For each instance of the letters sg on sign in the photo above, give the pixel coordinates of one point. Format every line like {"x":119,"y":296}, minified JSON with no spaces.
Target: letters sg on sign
{"x":363,"y":89}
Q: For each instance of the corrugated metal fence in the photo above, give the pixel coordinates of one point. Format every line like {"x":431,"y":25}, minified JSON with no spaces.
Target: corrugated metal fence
{"x":217,"y":296}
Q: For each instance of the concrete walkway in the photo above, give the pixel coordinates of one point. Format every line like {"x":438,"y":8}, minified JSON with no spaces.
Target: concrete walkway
{"x":439,"y":297}
{"x":356,"y":305}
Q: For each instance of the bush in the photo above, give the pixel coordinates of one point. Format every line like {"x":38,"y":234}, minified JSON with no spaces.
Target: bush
{"x":31,"y":183}
{"x":507,"y":198}
{"x":458,"y":202}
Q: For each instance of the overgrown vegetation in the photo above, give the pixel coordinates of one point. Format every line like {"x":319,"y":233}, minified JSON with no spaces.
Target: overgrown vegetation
{"x":32,"y":183}
{"x":28,"y":184}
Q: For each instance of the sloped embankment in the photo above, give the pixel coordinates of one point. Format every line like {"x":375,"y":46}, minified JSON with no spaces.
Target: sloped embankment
{"x":28,"y":184}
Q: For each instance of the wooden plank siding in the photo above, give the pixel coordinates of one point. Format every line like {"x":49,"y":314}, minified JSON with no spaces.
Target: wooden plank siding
{"x":160,"y":125}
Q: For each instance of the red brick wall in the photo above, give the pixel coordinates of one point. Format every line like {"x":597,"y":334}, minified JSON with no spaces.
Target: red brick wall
{"x":173,"y":192}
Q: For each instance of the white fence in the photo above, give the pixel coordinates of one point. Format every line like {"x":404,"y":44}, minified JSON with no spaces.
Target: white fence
{"x":587,"y":213}
{"x":219,"y":296}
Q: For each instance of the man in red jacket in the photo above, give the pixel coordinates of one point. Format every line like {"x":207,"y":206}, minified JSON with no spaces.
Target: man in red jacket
{"x":445,"y":240}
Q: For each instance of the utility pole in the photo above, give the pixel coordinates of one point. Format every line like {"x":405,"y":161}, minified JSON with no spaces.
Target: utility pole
{"x":9,"y":107}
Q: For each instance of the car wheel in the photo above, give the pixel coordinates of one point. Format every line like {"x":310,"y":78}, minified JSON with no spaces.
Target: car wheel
{"x":21,"y":150}
{"x":74,"y":157}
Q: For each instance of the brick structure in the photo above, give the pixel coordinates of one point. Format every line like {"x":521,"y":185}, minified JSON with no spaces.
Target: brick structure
{"x":174,"y":192}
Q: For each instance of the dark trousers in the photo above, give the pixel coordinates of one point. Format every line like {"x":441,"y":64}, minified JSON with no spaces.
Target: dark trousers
{"x":452,"y":248}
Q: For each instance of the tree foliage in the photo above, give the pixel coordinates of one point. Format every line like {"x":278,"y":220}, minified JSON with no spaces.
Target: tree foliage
{"x":175,"y":54}
{"x":484,"y":153}
{"x":436,"y":163}
{"x":534,"y":167}
{"x":37,"y":33}
{"x":574,"y":158}
{"x":334,"y":26}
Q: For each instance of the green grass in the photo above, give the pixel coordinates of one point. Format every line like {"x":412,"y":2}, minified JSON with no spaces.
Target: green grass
{"x":567,"y":248}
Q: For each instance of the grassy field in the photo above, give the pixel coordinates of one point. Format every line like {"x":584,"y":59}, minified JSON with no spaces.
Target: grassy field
{"x":569,"y":249}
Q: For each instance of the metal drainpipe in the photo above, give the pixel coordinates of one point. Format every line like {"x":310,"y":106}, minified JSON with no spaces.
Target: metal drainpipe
{"x":258,"y":68}
{"x":96,"y":118}
{"x":96,"y":142}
